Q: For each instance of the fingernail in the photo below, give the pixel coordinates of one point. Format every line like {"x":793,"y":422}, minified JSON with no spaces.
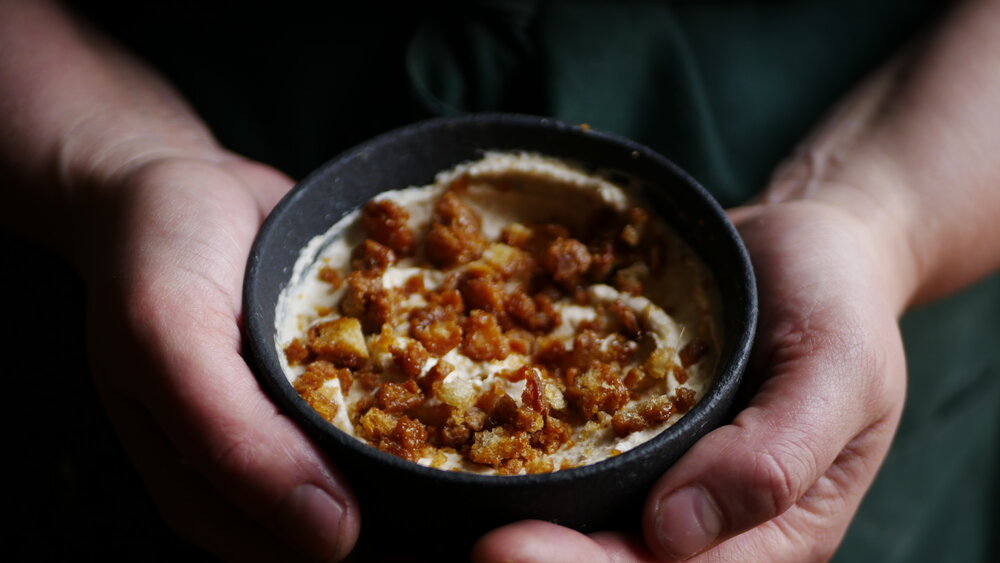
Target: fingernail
{"x":688,"y":522}
{"x":313,"y":520}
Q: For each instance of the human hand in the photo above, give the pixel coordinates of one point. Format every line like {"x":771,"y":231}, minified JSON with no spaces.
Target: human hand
{"x":164,"y":270}
{"x":783,"y":480}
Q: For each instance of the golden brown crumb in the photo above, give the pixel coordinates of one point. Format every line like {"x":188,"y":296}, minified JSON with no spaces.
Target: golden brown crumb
{"x":410,"y":358}
{"x":627,"y":318}
{"x":496,"y":298}
{"x":296,"y":352}
{"x":331,"y":276}
{"x":365,"y":299}
{"x":316,"y":375}
{"x":516,"y":235}
{"x":483,"y":293}
{"x":520,"y":341}
{"x":693,"y":352}
{"x":438,"y":335}
{"x":395,"y":398}
{"x":369,"y":379}
{"x":339,"y":341}
{"x":407,"y":440}
{"x":434,"y":375}
{"x":484,"y":340}
{"x":321,"y":403}
{"x":370,"y":255}
{"x":509,"y":261}
{"x":385,"y":222}
{"x":680,"y":374}
{"x":684,"y":399}
{"x":377,"y":423}
{"x":494,"y":447}
{"x":598,"y":389}
{"x":568,"y":260}
{"x":454,"y":237}
{"x":553,"y":436}
{"x":497,"y":405}
{"x":642,"y":415}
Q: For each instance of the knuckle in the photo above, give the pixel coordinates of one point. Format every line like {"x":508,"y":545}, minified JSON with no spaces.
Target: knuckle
{"x":850,"y":349}
{"x":248,"y":471}
{"x":241,"y":472}
{"x":777,"y":482}
{"x":237,"y":458}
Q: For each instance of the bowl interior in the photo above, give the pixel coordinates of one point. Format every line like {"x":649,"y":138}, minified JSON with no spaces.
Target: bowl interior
{"x":411,"y":156}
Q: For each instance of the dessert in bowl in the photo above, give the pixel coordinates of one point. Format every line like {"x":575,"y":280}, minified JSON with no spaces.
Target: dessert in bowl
{"x":498,"y":317}
{"x":480,"y":324}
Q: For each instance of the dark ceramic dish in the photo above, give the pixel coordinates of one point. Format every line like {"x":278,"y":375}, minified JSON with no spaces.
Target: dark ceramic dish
{"x":605,"y":494}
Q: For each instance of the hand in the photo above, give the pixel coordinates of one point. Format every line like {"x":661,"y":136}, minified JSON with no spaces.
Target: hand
{"x":782,"y":482}
{"x":225,"y":468}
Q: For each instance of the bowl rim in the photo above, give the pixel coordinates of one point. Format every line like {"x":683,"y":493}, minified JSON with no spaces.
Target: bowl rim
{"x":279,"y":389}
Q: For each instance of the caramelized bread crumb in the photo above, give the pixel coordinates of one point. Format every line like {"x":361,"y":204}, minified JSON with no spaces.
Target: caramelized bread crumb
{"x":492,"y":299}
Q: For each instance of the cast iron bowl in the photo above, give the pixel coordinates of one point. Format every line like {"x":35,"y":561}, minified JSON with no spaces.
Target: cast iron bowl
{"x":404,"y":497}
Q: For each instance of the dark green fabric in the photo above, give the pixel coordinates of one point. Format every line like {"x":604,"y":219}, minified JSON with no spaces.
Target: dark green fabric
{"x":723,"y":88}
{"x":726,"y":89}
{"x":937,"y":498}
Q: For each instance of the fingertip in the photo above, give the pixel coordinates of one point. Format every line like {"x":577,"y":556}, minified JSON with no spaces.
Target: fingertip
{"x":536,"y":541}
{"x":684,"y":523}
{"x":622,"y":547}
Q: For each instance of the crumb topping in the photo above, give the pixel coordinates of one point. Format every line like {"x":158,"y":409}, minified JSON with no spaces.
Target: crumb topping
{"x":532,"y":348}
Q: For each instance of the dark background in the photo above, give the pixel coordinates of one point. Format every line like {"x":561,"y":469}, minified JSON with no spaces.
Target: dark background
{"x":73,"y":493}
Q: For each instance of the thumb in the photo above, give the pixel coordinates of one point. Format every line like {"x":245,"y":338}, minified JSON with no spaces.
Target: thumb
{"x":816,"y":430}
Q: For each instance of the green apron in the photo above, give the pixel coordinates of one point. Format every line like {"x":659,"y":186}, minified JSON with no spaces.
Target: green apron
{"x":724,"y":88}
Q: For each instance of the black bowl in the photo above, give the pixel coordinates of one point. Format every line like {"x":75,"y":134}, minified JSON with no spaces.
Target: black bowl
{"x":407,"y":498}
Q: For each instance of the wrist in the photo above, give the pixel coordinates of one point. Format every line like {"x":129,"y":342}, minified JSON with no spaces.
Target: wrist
{"x":102,"y":150}
{"x":97,"y":162}
{"x":870,"y":202}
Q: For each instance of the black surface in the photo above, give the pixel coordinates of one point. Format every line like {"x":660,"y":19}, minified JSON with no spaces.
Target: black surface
{"x":588,"y":498}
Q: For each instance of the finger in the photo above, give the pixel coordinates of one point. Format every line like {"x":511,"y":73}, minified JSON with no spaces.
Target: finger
{"x":171,"y":343}
{"x":755,"y":469}
{"x":811,"y":529}
{"x":624,"y":547}
{"x":204,"y":399}
{"x":537,"y":541}
{"x":826,"y":354}
{"x":188,"y":504}
{"x":258,"y":459}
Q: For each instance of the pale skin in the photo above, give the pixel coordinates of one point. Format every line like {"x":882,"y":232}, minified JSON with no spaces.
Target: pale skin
{"x":104,"y":162}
